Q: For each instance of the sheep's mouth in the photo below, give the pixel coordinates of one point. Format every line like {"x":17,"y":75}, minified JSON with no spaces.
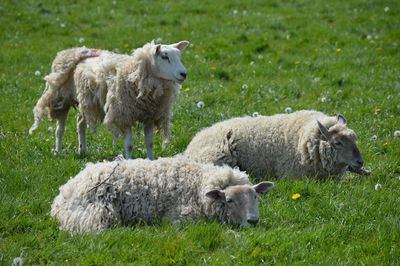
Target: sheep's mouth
{"x":359,"y":170}
{"x":180,"y":80}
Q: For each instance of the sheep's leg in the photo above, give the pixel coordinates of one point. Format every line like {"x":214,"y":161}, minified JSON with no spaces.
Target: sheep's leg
{"x":60,"y":131}
{"x":81,"y":126}
{"x":148,"y":137}
{"x":115,"y":134}
{"x":128,"y":142}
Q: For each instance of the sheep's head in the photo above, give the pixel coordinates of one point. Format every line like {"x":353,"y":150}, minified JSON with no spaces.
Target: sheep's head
{"x":240,"y":202}
{"x":167,"y":61}
{"x":343,"y":140}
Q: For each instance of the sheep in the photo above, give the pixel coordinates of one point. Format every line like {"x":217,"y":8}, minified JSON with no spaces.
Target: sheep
{"x":303,"y":143}
{"x":120,"y":90}
{"x":126,"y":192}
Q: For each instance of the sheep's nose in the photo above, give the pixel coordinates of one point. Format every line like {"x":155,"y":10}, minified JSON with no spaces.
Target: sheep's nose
{"x":183,"y":74}
{"x":360,"y":162}
{"x":252,"y":221}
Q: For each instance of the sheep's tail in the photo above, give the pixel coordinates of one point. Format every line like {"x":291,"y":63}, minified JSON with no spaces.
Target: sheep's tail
{"x":54,"y":98}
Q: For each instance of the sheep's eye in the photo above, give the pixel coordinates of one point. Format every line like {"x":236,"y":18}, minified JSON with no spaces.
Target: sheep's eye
{"x":229,"y":200}
{"x":338,"y":143}
{"x":165,"y":57}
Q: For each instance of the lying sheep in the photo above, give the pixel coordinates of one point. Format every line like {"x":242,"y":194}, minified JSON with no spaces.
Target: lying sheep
{"x":120,"y":90}
{"x":129,"y":191}
{"x":304,"y":143}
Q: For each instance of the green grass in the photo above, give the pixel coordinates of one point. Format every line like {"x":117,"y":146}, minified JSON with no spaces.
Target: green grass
{"x":333,"y":56}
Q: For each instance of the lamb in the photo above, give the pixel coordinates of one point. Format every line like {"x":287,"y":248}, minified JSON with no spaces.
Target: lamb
{"x":120,"y":90}
{"x":303,"y":143}
{"x":125,"y":192}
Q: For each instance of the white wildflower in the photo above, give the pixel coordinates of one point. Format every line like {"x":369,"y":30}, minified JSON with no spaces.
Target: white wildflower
{"x":397,"y":133}
{"x":374,"y":137}
{"x":288,"y":109}
{"x":62,"y":25}
{"x":251,"y":63}
{"x":386,"y":9}
{"x":37,"y":73}
{"x":200,"y":104}
{"x":235,"y":11}
{"x":260,"y":56}
{"x":18,"y":261}
{"x":81,"y":40}
{"x":255,"y":114}
{"x":378,"y":186}
{"x":315,"y":80}
{"x":245,"y":87}
{"x":369,"y":37}
{"x":323,"y":99}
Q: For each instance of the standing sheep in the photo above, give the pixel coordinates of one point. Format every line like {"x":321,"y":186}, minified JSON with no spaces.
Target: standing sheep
{"x":120,"y":90}
{"x":129,"y":191}
{"x":304,"y":143}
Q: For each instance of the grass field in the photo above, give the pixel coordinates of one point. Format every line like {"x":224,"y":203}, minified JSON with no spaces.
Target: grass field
{"x":246,"y":56}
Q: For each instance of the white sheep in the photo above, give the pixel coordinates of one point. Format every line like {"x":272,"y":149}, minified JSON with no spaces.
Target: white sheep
{"x":304,"y":143}
{"x":129,"y":191}
{"x":120,"y":90}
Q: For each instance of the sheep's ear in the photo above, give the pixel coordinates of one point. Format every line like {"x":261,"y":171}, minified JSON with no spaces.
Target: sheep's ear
{"x":324,"y":131}
{"x":158,"y":49}
{"x":216,"y":195}
{"x":341,"y":119}
{"x":263,"y":187}
{"x":181,"y":45}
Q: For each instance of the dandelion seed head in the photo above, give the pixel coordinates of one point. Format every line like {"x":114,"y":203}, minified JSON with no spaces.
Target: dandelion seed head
{"x":374,"y":137}
{"x":255,"y":114}
{"x":288,"y":109}
{"x":62,"y":25}
{"x":200,"y":104}
{"x":37,"y":73}
{"x":397,"y":133}
{"x":18,"y":261}
{"x":235,"y":11}
{"x":386,"y":9}
{"x":81,"y":40}
{"x":316,"y":80}
{"x":245,"y":87}
{"x":378,"y":186}
{"x":323,"y":99}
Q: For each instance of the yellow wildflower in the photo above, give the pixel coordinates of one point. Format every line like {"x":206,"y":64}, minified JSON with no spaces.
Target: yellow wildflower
{"x":377,"y":110}
{"x":297,"y":62}
{"x":338,"y":50}
{"x":296,"y":196}
{"x":186,"y":90}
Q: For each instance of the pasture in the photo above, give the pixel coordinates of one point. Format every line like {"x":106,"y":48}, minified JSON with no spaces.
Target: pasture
{"x":245,"y":57}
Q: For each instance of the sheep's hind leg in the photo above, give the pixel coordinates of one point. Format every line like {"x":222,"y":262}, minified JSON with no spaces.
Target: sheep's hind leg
{"x":148,"y":137}
{"x":81,"y":126}
{"x":60,"y":131}
{"x":128,"y":142}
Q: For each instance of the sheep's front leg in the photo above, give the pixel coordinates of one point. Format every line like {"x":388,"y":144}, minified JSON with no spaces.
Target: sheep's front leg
{"x":60,"y":131}
{"x":115,"y":134}
{"x":148,"y":137}
{"x":128,"y":142}
{"x":81,"y":125}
